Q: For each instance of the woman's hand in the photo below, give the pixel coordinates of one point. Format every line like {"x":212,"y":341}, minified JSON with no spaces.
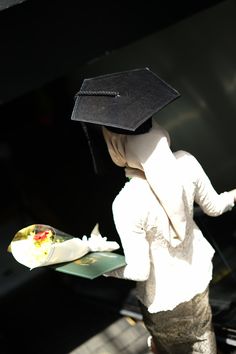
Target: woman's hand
{"x":233,"y":192}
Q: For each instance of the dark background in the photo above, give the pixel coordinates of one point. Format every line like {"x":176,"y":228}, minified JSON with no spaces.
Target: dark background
{"x":44,"y":40}
{"x":45,"y":159}
{"x":46,"y":49}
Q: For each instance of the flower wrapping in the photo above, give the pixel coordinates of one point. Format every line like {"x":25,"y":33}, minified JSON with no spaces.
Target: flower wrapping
{"x":41,"y":245}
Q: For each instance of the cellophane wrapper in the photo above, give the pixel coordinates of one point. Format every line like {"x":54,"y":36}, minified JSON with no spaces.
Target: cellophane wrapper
{"x":41,"y":245}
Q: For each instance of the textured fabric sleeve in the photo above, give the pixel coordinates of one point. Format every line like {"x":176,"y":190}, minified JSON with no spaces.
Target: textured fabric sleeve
{"x":211,"y":202}
{"x":135,"y":246}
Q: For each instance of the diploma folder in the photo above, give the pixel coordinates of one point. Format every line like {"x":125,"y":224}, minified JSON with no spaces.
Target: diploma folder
{"x":93,"y":264}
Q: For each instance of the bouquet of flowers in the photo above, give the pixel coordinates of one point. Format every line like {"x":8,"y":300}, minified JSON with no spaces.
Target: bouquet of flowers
{"x":40,"y":245}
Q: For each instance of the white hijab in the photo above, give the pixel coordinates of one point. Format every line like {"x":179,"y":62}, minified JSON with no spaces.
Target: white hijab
{"x":149,"y":156}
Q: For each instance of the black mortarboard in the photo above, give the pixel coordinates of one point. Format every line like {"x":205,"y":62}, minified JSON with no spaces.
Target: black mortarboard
{"x":123,"y":100}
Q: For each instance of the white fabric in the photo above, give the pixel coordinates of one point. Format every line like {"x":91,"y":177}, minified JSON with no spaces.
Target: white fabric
{"x":166,"y":274}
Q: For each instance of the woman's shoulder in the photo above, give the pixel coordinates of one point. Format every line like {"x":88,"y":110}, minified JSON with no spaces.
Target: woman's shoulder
{"x":133,"y":193}
{"x":186,"y":157}
{"x":189,"y":166}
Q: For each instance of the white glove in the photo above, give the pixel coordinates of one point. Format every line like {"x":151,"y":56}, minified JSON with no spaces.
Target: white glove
{"x":233,"y":193}
{"x":97,"y":243}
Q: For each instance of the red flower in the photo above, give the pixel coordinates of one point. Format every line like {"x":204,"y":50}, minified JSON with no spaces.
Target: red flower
{"x":40,"y":236}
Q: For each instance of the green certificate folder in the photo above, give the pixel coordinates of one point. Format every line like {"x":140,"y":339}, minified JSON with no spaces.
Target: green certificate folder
{"x":93,"y":265}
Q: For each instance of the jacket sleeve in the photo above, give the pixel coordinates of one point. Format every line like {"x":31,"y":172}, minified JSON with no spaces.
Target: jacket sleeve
{"x":135,"y":246}
{"x":211,"y":202}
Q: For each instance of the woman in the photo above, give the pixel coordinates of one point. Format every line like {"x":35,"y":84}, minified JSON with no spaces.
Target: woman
{"x":165,"y":250}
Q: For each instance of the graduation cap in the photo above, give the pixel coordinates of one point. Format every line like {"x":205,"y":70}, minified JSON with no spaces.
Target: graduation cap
{"x":123,"y":100}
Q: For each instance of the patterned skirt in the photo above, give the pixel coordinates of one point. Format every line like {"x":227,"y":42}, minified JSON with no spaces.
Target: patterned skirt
{"x":187,"y":329}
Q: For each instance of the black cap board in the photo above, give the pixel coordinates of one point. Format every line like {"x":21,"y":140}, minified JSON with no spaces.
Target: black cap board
{"x":123,"y":100}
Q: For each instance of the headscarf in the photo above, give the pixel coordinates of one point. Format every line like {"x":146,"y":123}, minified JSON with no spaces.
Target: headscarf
{"x":149,"y":155}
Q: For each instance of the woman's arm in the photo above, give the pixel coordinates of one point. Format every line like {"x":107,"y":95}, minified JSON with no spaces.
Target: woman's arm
{"x":211,"y":202}
{"x":135,"y":246}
